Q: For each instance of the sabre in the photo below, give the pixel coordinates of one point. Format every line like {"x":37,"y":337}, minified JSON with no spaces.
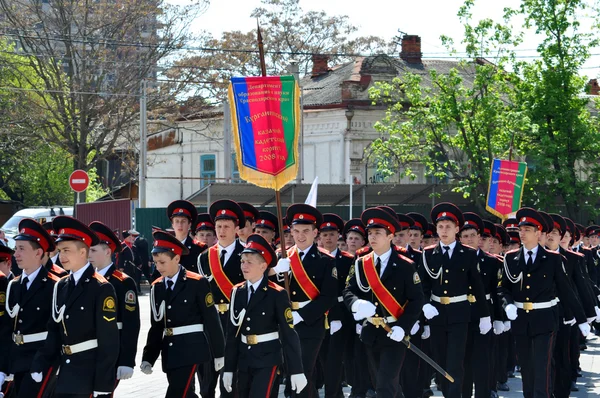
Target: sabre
{"x":377,"y":321}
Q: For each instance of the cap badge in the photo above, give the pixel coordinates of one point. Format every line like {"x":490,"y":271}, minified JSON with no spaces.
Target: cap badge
{"x":62,"y":231}
{"x":329,"y":224}
{"x":444,"y":214}
{"x":23,"y":231}
{"x":179,"y":211}
{"x":523,"y":219}
{"x":371,"y":221}
{"x":223,"y":211}
{"x":301,"y":216}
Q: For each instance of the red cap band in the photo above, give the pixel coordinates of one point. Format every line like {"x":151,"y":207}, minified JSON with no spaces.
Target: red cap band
{"x":557,"y":226}
{"x":248,"y":214}
{"x":205,"y":224}
{"x":404,"y":224}
{"x":531,"y":221}
{"x":357,"y":228}
{"x":41,"y":240}
{"x":226,"y":213}
{"x":76,"y":234}
{"x":181,"y":210}
{"x":106,"y":240}
{"x":267,"y":223}
{"x":5,"y":256}
{"x":447,"y":214}
{"x":302,"y":216}
{"x":418,"y":224}
{"x":261,"y":249}
{"x":383,"y":222}
{"x":165,"y":244}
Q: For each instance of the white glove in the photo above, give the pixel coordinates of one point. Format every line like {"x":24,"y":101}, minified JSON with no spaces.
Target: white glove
{"x":228,"y":381}
{"x":146,"y":368}
{"x":598,"y":297}
{"x":37,"y":377}
{"x":570,"y":323}
{"x":10,"y":377}
{"x":507,"y":326}
{"x":358,"y":328}
{"x":335,"y":326}
{"x":98,"y":393}
{"x":591,"y":319}
{"x":597,"y":313}
{"x":298,"y":382}
{"x":498,"y":327}
{"x":363,"y":309}
{"x":414,"y":329}
{"x":124,"y":372}
{"x":585,"y":329}
{"x":2,"y":378}
{"x":397,"y":333}
{"x":430,"y":311}
{"x":485,"y":325}
{"x":426,"y":332}
{"x":511,"y":311}
{"x":219,"y":363}
{"x":297,"y":317}
{"x":283,"y":265}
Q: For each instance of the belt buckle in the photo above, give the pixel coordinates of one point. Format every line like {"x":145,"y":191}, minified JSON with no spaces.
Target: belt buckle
{"x":18,"y":339}
{"x":252,"y":339}
{"x":169,"y":332}
{"x":445,"y":300}
{"x":295,"y":305}
{"x":471,"y":298}
{"x":222,"y":308}
{"x":67,"y":350}
{"x":378,"y":321}
{"x":528,"y":306}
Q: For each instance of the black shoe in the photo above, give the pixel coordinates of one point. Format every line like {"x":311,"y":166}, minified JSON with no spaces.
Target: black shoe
{"x":582,"y":347}
{"x":510,"y":374}
{"x":427,"y":393}
{"x":579,"y":373}
{"x":371,"y":393}
{"x":494,"y":394}
{"x":503,"y":387}
{"x":518,"y":369}
{"x":574,"y":387}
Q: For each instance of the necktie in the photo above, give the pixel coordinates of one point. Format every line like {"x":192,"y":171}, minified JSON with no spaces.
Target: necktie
{"x":301,"y":254}
{"x":71,"y":284}
{"x":446,"y":252}
{"x":223,"y":253}
{"x":170,"y":284}
{"x":378,"y":266}
{"x":530,"y":259}
{"x":251,"y":293}
{"x":24,"y":282}
{"x":23,"y":289}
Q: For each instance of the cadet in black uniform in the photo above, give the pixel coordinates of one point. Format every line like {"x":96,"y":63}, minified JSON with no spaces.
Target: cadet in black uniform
{"x":533,"y":277}
{"x":183,"y":215}
{"x":448,"y":269}
{"x":205,"y":235}
{"x":260,"y":331}
{"x":266,"y":226}
{"x":128,"y":259}
{"x":251,"y":215}
{"x":29,"y":299}
{"x":384,"y":288}
{"x":220,"y":264}
{"x":185,"y":327}
{"x":313,"y":285}
{"x":128,"y":311}
{"x":83,"y":330}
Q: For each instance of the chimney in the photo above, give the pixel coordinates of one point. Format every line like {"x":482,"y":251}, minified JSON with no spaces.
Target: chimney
{"x":411,"y":49}
{"x":320,"y":66}
{"x":593,"y":88}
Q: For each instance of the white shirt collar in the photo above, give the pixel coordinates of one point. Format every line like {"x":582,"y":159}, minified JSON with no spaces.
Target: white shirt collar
{"x":174,"y":278}
{"x":229,"y":248}
{"x":335,"y":252}
{"x":77,"y":274}
{"x":31,"y":277}
{"x":255,"y":285}
{"x":384,"y":260}
{"x":534,"y":250}
{"x":104,"y":270}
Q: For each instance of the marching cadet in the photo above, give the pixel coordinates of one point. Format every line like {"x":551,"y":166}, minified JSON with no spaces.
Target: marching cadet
{"x":220,"y":265}
{"x":479,"y":369}
{"x":54,"y":257}
{"x":341,"y":324}
{"x":288,"y":239}
{"x":5,"y":322}
{"x":183,"y":215}
{"x":28,"y":304}
{"x":47,"y":259}
{"x":416,"y":234}
{"x":128,"y":260}
{"x":266,"y":226}
{"x":384,"y":290}
{"x":205,"y":235}
{"x":260,"y":331}
{"x":313,"y":285}
{"x":128,"y":312}
{"x":355,"y":234}
{"x":83,"y":331}
{"x":251,"y":215}
{"x":448,"y":269}
{"x":591,"y":233}
{"x":533,"y":277}
{"x":185,"y":329}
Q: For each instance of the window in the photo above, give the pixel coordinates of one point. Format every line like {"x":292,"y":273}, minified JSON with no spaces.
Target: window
{"x":235,"y":173}
{"x":208,"y":169}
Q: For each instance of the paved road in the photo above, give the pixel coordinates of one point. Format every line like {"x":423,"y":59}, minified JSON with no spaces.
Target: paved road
{"x":155,"y":385}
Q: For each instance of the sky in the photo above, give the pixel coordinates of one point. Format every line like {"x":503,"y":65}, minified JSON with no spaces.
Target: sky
{"x":428,"y":19}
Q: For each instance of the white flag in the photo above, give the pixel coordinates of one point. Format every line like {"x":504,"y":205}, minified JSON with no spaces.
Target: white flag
{"x":311,"y":199}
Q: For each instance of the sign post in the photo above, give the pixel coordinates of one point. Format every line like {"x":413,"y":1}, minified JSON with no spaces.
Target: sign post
{"x":79,"y":181}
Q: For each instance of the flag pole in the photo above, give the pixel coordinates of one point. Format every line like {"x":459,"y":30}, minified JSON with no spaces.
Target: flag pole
{"x":263,"y":70}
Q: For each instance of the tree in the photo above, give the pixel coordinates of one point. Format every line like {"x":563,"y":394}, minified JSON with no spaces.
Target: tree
{"x":453,"y":123}
{"x":91,"y":58}
{"x":563,"y":150}
{"x":288,"y":32}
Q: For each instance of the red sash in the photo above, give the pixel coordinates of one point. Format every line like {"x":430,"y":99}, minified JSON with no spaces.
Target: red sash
{"x":306,"y":284}
{"x":383,"y":295}
{"x":216,"y":269}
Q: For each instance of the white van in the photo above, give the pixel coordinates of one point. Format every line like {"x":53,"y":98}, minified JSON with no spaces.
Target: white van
{"x":40,"y":214}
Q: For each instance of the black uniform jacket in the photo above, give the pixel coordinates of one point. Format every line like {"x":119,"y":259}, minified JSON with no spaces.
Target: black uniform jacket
{"x":190,"y":303}
{"x":268,"y":311}
{"x":490,"y":269}
{"x":320,"y":267}
{"x":5,"y":327}
{"x":401,"y":279}
{"x":55,"y":269}
{"x":452,"y":279}
{"x":35,"y":305}
{"x":543,"y":282}
{"x":128,"y":314}
{"x":344,"y":262}
{"x":190,"y":261}
{"x":90,"y":314}
{"x":580,"y":284}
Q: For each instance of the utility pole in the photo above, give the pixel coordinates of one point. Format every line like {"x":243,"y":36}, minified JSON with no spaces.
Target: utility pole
{"x":143,"y":146}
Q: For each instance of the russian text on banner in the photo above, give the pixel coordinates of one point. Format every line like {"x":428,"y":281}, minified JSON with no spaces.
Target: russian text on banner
{"x":506,"y":187}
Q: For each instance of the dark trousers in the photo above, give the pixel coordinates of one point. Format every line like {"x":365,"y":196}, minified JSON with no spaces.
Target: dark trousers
{"x":448,"y":346}
{"x":8,"y":389}
{"x":310,"y":353}
{"x":562,"y":362}
{"x":26,"y":387}
{"x":535,"y":358}
{"x":340,"y":343}
{"x":426,"y":372}
{"x":363,"y":374}
{"x":412,"y":371}
{"x":502,"y":349}
{"x":478,"y":357}
{"x":387,"y":364}
{"x":72,"y":395}
{"x":575,"y":352}
{"x":181,"y":382}
{"x":256,"y":383}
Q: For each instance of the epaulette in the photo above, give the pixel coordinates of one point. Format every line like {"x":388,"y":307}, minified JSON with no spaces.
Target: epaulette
{"x":363,"y":251}
{"x":99,"y":278}
{"x":323,"y":251}
{"x":512,"y":251}
{"x":553,"y":253}
{"x":201,"y":245}
{"x":346,"y":254}
{"x":430,"y":247}
{"x":400,"y":249}
{"x":239,"y":284}
{"x":408,"y":260}
{"x":120,"y":275}
{"x":574,"y":252}
{"x":193,"y":275}
{"x":159,"y":280}
{"x":55,"y":278}
{"x":57,"y":269}
{"x":499,"y":257}
{"x":468,"y":246}
{"x":2,"y":275}
{"x":16,"y":278}
{"x":275,"y":286}
{"x":417,"y":251}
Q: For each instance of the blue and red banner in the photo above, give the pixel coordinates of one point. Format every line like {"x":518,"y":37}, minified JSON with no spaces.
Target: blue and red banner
{"x":506,"y":187}
{"x":265,"y":115}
